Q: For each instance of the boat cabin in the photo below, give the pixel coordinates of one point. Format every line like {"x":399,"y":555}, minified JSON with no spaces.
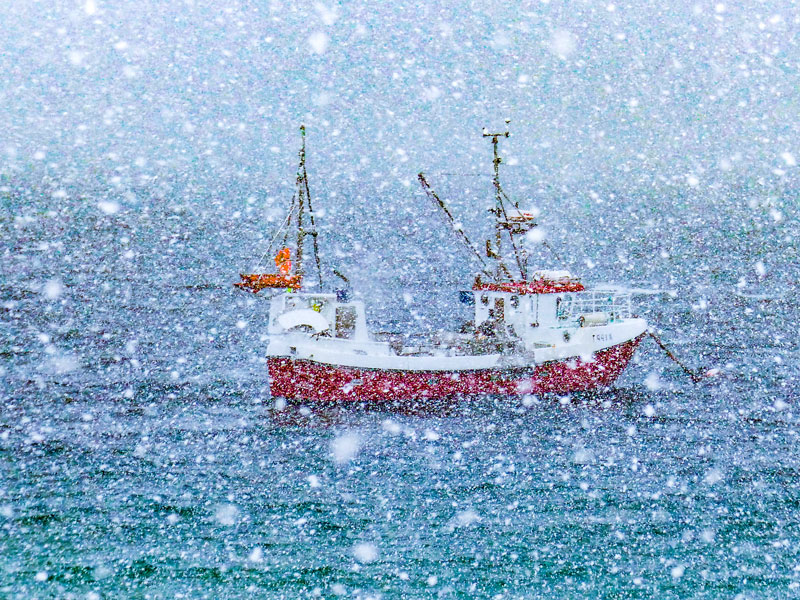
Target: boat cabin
{"x":328,"y":315}
{"x":550,"y":300}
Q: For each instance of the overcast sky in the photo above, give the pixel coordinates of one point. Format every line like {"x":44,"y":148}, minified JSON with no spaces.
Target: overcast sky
{"x":642,"y":90}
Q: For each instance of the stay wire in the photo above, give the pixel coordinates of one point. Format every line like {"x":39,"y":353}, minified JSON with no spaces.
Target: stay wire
{"x":282,"y":228}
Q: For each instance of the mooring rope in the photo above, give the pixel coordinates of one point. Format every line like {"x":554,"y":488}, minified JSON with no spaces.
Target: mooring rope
{"x":695,"y":375}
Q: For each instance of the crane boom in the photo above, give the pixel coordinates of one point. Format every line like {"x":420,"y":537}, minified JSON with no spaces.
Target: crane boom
{"x":449,"y":216}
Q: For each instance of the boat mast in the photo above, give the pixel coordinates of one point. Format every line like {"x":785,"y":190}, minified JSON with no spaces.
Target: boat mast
{"x":312,"y":231}
{"x":301,"y":192}
{"x":496,"y":253}
{"x":300,"y":204}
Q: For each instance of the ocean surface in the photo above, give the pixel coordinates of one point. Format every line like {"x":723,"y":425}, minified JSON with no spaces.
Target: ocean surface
{"x":141,"y":455}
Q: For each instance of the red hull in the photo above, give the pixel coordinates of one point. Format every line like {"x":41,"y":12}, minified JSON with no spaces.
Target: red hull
{"x":312,"y":381}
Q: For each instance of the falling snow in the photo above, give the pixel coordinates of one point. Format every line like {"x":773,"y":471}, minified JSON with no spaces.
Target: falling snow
{"x":147,"y":157}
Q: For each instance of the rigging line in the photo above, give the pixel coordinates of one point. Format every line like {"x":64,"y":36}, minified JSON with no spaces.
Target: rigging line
{"x":501,"y":265}
{"x":439,"y":173}
{"x":558,"y":258}
{"x":505,"y":268}
{"x":277,"y":233}
{"x":516,"y":204}
{"x":524,"y":270}
{"x":286,"y":230}
{"x":544,"y":243}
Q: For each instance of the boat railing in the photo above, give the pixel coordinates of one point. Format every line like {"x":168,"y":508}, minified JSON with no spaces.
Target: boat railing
{"x":442,"y":343}
{"x":617,"y":305}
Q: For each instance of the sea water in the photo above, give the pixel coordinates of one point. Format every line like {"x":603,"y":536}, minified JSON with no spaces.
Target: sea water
{"x":172,"y":474}
{"x":141,"y":455}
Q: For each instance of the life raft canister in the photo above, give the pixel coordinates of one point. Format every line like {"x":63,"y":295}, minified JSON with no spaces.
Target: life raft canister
{"x":283,"y":260}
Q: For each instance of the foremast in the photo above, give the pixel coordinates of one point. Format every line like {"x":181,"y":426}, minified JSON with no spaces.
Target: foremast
{"x":305,"y":225}
{"x":298,"y":223}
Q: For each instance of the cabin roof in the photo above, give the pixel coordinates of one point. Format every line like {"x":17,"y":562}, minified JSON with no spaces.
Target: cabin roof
{"x":537,"y":286}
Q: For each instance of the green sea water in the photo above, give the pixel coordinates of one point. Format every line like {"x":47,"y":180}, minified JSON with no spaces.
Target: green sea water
{"x":205,"y":491}
{"x":141,"y":454}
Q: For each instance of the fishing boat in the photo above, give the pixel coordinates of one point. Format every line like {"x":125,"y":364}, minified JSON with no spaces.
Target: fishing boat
{"x":534,"y":331}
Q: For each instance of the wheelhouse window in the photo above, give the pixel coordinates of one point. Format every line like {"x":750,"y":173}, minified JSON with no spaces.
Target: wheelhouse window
{"x":345,"y":322}
{"x":564,"y":307}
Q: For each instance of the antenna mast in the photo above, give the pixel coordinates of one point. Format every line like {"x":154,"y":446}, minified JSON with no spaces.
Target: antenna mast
{"x":496,"y":253}
{"x":502,"y":219}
